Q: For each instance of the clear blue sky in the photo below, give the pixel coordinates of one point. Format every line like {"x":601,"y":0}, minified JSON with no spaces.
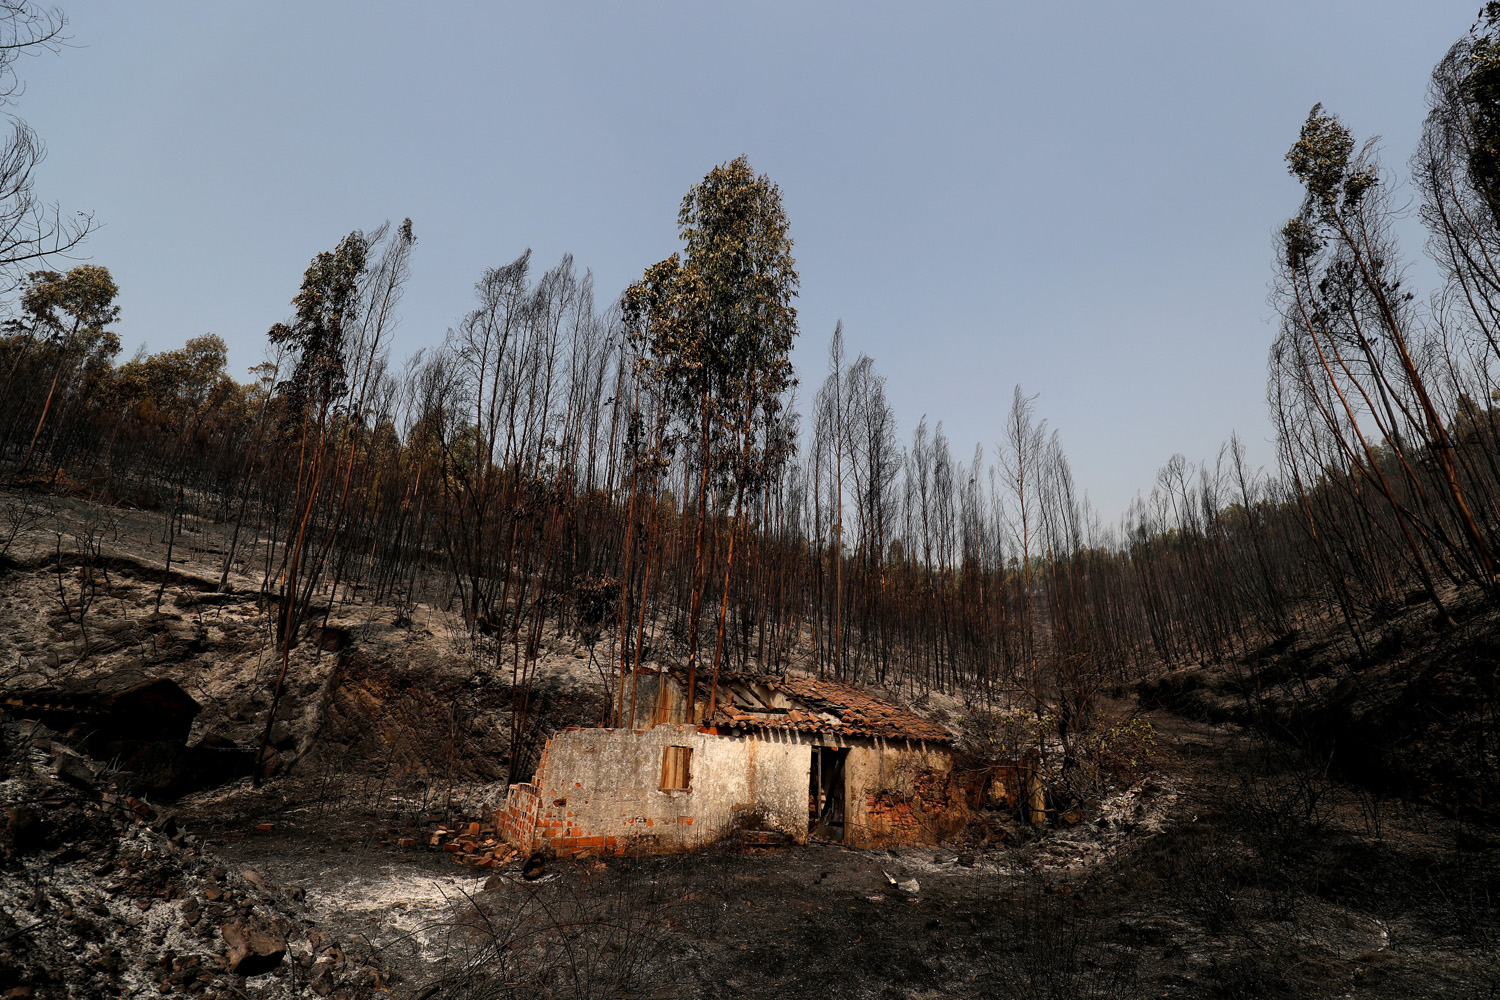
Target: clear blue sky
{"x":1077,"y":197}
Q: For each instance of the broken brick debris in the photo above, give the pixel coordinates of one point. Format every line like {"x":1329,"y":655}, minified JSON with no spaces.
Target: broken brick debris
{"x":478,"y":845}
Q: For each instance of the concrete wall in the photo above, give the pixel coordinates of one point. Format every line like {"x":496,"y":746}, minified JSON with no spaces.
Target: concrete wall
{"x":597,"y":790}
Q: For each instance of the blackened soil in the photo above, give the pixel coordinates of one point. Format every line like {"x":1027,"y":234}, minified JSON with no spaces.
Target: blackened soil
{"x":817,"y":919}
{"x":1233,"y":871}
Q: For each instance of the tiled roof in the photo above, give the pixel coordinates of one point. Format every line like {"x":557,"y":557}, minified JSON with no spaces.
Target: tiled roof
{"x":821,"y":707}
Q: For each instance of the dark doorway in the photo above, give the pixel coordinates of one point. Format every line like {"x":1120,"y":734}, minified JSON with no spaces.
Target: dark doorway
{"x":825,"y":793}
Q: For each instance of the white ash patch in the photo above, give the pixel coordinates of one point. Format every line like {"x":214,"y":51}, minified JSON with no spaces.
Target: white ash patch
{"x":405,"y":908}
{"x":1122,"y":819}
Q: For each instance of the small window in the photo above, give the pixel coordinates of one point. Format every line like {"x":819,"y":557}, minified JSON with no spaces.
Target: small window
{"x":675,"y":769}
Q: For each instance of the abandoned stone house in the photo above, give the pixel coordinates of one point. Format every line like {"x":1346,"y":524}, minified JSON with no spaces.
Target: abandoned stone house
{"x":790,"y":759}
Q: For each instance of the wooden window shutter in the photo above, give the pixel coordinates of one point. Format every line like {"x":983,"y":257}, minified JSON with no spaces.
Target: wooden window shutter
{"x":675,"y":769}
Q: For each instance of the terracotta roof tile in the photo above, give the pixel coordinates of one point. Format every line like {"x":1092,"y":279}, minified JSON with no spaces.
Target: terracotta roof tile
{"x":824,"y":707}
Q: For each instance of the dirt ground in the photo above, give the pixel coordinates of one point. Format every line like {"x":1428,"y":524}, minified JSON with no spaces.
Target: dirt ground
{"x":1233,"y":868}
{"x":1168,"y":889}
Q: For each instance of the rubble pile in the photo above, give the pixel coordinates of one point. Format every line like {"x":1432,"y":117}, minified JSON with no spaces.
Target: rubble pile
{"x":102,"y":895}
{"x":475,"y":844}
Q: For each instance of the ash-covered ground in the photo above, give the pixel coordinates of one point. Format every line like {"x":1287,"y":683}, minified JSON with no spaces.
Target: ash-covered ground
{"x":1232,"y":868}
{"x":1180,"y":886}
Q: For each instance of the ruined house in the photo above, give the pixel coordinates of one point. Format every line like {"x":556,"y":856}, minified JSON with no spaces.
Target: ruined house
{"x":759,"y":758}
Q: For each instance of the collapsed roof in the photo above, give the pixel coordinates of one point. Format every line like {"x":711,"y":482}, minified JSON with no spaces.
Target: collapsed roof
{"x":805,"y":704}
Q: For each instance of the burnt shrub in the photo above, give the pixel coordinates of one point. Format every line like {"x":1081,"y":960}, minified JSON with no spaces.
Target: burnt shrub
{"x":531,"y":941}
{"x":1050,"y":945}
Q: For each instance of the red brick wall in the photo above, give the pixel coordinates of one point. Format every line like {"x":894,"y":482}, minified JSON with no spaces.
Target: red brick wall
{"x":559,"y":834}
{"x":928,"y":809}
{"x":892,"y":820}
{"x":516,"y":821}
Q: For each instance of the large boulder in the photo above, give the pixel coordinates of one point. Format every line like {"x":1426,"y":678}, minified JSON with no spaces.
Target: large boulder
{"x":256,"y":945}
{"x":140,"y":726}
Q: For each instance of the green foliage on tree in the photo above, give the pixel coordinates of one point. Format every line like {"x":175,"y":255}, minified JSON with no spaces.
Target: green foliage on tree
{"x":714,"y":327}
{"x":174,"y":388}
{"x":1481,"y":96}
{"x":1323,"y":159}
{"x":713,"y":330}
{"x":69,"y":312}
{"x":328,"y":299}
{"x":72,"y":309}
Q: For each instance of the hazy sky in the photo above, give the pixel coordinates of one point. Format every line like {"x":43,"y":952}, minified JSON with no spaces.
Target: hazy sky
{"x":1076,"y":197}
